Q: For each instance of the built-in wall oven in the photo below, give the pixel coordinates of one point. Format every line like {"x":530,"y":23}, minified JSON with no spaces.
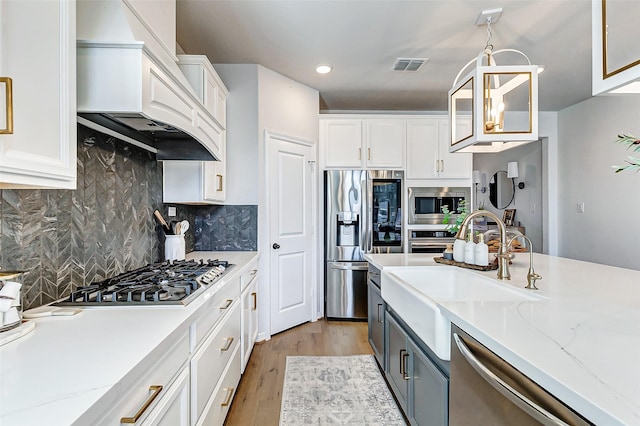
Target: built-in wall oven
{"x":425,"y":241}
{"x":426,"y":203}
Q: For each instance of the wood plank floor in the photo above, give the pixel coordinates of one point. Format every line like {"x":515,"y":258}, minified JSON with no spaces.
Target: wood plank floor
{"x":257,"y":401}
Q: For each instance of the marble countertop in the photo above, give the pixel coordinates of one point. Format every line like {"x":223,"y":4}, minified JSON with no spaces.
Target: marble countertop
{"x":68,"y":365}
{"x":580,"y":343}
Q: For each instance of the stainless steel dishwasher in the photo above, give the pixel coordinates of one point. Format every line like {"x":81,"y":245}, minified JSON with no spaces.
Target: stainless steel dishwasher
{"x":486,"y":390}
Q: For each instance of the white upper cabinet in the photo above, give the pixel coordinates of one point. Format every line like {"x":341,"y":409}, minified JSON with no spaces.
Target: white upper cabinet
{"x":456,"y":165}
{"x":374,"y":143}
{"x":385,"y":143}
{"x":341,"y":140}
{"x":201,"y":182}
{"x":207,"y":84}
{"x":428,"y":155}
{"x":616,"y":52}
{"x":38,"y":122}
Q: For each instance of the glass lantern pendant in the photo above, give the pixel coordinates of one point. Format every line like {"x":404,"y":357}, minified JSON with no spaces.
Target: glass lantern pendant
{"x":502,"y":101}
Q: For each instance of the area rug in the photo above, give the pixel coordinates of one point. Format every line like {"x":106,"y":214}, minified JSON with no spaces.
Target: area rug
{"x":336,"y":390}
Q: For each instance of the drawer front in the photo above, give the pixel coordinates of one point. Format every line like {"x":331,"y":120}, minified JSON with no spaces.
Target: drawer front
{"x":173,"y":408}
{"x":210,"y":360}
{"x":145,"y":390}
{"x":214,"y":310}
{"x":218,"y":406}
{"x":249,"y":275}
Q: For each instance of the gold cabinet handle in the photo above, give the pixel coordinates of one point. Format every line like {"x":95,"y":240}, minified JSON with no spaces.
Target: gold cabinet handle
{"x":156,"y":389}
{"x":227,"y":345}
{"x":254,"y":295}
{"x":227,"y":400}
{"x":8,"y":87}
{"x":380,"y":313}
{"x":219,"y":177}
{"x":368,"y":153}
{"x":228,"y":303}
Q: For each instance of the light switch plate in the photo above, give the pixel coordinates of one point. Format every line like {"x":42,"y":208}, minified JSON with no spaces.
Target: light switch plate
{"x":580,"y":207}
{"x":171,"y":212}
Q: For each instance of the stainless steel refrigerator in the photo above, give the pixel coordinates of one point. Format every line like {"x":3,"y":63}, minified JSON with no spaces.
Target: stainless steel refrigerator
{"x":363,"y":214}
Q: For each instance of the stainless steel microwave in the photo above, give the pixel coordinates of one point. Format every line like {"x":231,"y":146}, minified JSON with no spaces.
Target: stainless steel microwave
{"x":425,"y":203}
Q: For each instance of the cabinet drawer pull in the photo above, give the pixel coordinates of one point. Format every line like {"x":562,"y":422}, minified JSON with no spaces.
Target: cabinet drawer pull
{"x":156,"y":391}
{"x":227,"y":303}
{"x":219,"y":189}
{"x":253,"y":271}
{"x":8,"y":91}
{"x":442,"y":165}
{"x":359,"y":153}
{"x":368,"y":153}
{"x":254,"y":295}
{"x":380,"y":313}
{"x":227,"y":400}
{"x":228,"y":345}
{"x":405,"y":375}
{"x":437,"y":166}
{"x":402,"y":351}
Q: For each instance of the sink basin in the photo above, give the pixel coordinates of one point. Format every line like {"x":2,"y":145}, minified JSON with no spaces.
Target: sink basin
{"x":416,"y":292}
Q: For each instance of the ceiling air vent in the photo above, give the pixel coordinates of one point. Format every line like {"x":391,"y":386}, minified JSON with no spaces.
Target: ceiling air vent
{"x":409,"y":64}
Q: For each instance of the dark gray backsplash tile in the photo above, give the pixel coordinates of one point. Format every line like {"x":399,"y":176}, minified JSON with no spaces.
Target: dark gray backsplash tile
{"x":64,"y":239}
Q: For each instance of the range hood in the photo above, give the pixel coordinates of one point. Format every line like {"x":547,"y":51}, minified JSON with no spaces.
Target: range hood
{"x":129,"y":85}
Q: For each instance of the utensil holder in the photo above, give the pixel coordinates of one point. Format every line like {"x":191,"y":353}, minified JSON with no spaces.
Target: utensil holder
{"x":174,"y":247}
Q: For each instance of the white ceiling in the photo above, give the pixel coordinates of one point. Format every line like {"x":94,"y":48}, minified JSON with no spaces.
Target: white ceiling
{"x":361,"y":39}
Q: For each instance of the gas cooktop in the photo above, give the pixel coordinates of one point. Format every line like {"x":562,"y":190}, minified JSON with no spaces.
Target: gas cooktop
{"x":162,"y":283}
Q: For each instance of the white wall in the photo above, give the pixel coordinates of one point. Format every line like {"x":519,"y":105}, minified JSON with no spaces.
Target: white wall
{"x":242,"y":132}
{"x":262,"y":100}
{"x":608,"y":231}
{"x":527,"y":201}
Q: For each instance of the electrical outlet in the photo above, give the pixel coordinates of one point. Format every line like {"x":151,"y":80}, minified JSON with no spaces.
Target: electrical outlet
{"x":171,"y":212}
{"x":580,"y":207}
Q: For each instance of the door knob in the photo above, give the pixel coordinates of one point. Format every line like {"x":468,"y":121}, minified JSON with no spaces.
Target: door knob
{"x":276,"y":246}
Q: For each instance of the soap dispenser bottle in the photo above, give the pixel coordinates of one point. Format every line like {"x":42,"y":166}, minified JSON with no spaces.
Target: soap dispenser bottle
{"x":470,"y":250}
{"x":458,"y":249}
{"x":482,"y":252}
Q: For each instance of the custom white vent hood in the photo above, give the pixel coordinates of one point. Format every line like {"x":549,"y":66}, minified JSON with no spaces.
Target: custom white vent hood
{"x":129,"y":84}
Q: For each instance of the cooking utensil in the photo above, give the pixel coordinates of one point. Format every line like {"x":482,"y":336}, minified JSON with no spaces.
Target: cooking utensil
{"x":161,"y":221}
{"x":184,"y":226}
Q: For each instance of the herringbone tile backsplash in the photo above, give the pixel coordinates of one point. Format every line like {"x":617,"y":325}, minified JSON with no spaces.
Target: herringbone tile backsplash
{"x":64,"y":239}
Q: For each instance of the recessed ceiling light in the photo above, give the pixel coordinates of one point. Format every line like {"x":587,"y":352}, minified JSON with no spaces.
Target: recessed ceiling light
{"x":323,"y":69}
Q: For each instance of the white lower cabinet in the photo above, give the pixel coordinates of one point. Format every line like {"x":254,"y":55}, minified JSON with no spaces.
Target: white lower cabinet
{"x":210,"y":362}
{"x":154,"y":396}
{"x":220,"y":402}
{"x":173,"y":408}
{"x":249,"y":283}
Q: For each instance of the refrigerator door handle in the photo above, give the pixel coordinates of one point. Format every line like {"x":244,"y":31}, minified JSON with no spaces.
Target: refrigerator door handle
{"x":348,"y":267}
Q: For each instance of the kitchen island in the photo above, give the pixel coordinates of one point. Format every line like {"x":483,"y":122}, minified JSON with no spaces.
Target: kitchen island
{"x":579,"y":341}
{"x":76,"y":369}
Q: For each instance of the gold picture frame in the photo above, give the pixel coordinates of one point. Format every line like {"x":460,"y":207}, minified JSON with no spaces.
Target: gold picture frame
{"x":508,"y":216}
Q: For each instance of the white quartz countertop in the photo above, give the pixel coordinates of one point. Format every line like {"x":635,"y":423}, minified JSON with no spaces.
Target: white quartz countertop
{"x":580,"y":343}
{"x":68,"y":366}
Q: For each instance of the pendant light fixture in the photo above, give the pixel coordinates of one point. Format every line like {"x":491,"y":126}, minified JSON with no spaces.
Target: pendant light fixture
{"x":502,"y":100}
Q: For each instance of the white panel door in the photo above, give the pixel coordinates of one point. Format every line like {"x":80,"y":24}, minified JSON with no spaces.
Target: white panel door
{"x":291,"y":209}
